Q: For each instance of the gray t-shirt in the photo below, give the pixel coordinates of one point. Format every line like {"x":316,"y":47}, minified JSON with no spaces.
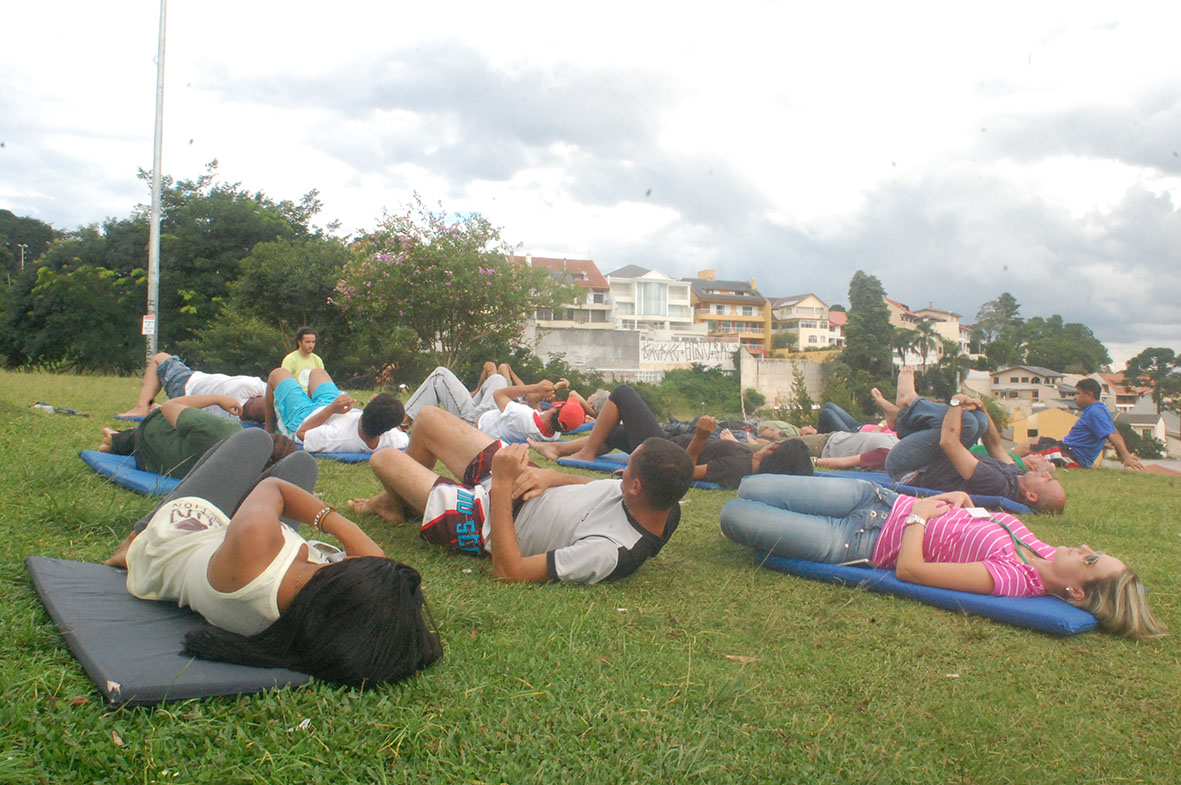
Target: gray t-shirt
{"x":586,"y":533}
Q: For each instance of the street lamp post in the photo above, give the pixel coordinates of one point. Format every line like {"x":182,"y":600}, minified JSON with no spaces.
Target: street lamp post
{"x":24,"y":247}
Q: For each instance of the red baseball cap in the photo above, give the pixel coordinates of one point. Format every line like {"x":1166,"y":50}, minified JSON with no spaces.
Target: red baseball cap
{"x":571,"y":416}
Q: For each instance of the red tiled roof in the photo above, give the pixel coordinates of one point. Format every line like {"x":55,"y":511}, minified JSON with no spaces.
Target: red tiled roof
{"x":839,"y":318}
{"x":584,"y":271}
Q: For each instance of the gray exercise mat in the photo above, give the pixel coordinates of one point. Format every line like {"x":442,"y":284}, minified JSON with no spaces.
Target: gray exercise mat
{"x":131,"y":648}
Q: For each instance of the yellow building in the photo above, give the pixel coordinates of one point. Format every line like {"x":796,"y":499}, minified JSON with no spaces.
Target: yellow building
{"x":1055,"y":423}
{"x":732,"y":308}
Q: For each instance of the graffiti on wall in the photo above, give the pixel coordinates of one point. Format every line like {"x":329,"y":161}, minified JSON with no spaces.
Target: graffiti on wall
{"x":712,"y":354}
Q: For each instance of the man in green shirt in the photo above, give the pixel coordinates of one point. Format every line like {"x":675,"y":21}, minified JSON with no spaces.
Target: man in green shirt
{"x":173,"y":437}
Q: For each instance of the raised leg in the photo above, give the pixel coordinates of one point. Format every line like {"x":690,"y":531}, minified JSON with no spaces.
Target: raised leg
{"x":405,"y":482}
{"x":441,"y":436}
{"x":149,"y":388}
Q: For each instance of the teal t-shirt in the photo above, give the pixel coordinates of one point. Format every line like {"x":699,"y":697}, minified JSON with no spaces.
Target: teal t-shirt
{"x":162,"y":449}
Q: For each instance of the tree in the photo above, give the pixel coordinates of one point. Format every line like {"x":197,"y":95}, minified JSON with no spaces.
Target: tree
{"x":1158,"y":369}
{"x":925,"y":340}
{"x":801,"y":402}
{"x":1070,"y":347}
{"x":16,"y":232}
{"x":901,"y":340}
{"x":437,"y":287}
{"x":868,"y":332}
{"x":944,"y":379}
{"x":998,"y":318}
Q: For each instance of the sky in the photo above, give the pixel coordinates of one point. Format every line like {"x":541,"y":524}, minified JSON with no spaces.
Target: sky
{"x":955,"y":151}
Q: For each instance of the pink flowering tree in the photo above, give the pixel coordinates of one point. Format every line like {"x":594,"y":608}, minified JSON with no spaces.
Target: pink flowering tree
{"x":427,"y":282}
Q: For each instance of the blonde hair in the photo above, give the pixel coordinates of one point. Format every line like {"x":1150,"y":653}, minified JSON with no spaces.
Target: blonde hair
{"x":1121,"y":607}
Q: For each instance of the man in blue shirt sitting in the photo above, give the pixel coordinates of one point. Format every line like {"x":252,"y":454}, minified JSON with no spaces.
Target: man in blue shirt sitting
{"x":1084,"y":443}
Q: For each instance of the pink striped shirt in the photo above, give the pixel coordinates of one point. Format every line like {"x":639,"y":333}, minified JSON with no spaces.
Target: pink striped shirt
{"x":957,"y":537}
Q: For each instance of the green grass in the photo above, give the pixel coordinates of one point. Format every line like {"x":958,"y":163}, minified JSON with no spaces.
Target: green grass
{"x":630,"y":682}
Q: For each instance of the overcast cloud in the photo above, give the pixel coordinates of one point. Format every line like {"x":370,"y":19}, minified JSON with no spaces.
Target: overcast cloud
{"x":955,"y":153}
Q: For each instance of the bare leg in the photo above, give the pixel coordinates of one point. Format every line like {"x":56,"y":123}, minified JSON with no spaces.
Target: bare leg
{"x":406,"y":483}
{"x":848,"y":462}
{"x":906,"y":391}
{"x":439,"y":435}
{"x":488,"y":369}
{"x":507,"y":372}
{"x":270,"y":422}
{"x":317,"y":377}
{"x":558,"y":449}
{"x":149,"y":389}
{"x":888,"y":408}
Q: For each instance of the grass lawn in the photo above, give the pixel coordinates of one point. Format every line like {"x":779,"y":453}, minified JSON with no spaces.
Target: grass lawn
{"x":699,"y":668}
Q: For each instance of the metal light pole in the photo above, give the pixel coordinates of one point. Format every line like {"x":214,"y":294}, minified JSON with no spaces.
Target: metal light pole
{"x":150,"y":322}
{"x":24,"y":247}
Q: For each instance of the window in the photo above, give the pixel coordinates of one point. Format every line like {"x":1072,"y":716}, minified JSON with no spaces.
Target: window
{"x":1025,"y":380}
{"x":1033,"y":433}
{"x":544,"y":314}
{"x":651,"y":299}
{"x":807,"y":325}
{"x":1035,"y":395}
{"x":811,"y":339}
{"x":996,"y":380}
{"x":719,"y":309}
{"x":748,"y":310}
{"x":599,"y":298}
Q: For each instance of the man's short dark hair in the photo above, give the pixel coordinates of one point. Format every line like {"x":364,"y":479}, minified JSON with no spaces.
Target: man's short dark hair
{"x":381,"y":414}
{"x":790,"y":457}
{"x":301,"y":332}
{"x":664,"y":469}
{"x":1090,"y":387}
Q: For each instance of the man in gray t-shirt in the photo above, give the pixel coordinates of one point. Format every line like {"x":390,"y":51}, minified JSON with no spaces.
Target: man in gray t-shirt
{"x":538,"y":524}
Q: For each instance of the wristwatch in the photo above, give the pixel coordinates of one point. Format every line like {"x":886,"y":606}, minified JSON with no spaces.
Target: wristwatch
{"x":912,"y":518}
{"x":954,"y":402}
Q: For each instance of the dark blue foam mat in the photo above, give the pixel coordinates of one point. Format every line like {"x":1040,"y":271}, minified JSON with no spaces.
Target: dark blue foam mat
{"x":615,"y":461}
{"x":131,"y":648}
{"x":883,"y":479}
{"x":584,"y":428}
{"x":133,"y":418}
{"x":121,"y":469}
{"x":1045,"y":614}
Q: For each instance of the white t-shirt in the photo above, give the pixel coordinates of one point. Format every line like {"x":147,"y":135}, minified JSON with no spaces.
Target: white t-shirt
{"x":515,"y":424}
{"x":339,"y":434}
{"x":586,"y":533}
{"x":169,"y":560}
{"x":240,"y":388}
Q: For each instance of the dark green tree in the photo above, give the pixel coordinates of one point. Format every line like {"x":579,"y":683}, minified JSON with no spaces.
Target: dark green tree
{"x":16,"y":232}
{"x":868,"y":332}
{"x":802,"y":404}
{"x":1159,"y":369}
{"x":998,"y":318}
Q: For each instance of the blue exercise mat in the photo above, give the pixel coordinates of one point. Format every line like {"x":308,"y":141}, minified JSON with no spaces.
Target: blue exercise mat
{"x":1045,"y":614}
{"x":584,"y":428}
{"x":344,"y":457}
{"x":131,"y":648}
{"x":130,"y":418}
{"x":615,"y":461}
{"x":883,"y":479}
{"x":121,"y":469}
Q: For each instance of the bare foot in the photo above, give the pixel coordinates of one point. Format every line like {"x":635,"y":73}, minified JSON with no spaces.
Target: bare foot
{"x":382,"y":504}
{"x":906,"y":392}
{"x":107,"y":434}
{"x":548,"y":449}
{"x":583,"y":455}
{"x":119,"y":557}
{"x":136,"y":411}
{"x":888,"y":408}
{"x":727,"y":436}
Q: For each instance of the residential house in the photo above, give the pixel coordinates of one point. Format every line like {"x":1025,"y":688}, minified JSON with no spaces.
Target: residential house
{"x":836,"y":327}
{"x":1055,"y":423}
{"x":1145,"y":424}
{"x":648,"y":300}
{"x":1172,"y":421}
{"x":732,"y":308}
{"x":804,"y":314}
{"x":1124,"y":396}
{"x":592,"y":310}
{"x":1024,"y":389}
{"x":947,"y":325}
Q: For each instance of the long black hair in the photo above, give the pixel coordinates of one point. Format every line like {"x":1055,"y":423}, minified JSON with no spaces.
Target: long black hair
{"x":357,"y":622}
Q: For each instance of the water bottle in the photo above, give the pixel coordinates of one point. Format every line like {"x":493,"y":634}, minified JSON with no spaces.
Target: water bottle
{"x":42,"y":406}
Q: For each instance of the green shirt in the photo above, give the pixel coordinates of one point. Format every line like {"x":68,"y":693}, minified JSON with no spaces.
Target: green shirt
{"x":162,"y":449}
{"x":979,"y":449}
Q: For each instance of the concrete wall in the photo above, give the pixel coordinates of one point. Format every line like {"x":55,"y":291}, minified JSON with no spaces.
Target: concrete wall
{"x":627,"y":354}
{"x":666,"y":355}
{"x":774,"y":378}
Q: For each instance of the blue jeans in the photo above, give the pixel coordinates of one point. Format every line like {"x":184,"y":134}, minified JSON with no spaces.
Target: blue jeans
{"x":174,"y":376}
{"x":919,"y":426}
{"x":825,"y":519}
{"x":833,"y":418}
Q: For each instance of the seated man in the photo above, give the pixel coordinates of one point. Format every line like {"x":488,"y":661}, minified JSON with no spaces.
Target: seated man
{"x":933,"y":452}
{"x":301,"y":362}
{"x":1084,"y":442}
{"x":169,"y":373}
{"x":325,"y":419}
{"x":173,"y":437}
{"x":625,"y":422}
{"x":539,"y":525}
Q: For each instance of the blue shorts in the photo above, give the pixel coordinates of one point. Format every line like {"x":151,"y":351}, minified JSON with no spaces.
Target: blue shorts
{"x":293,"y":405}
{"x":173,"y":375}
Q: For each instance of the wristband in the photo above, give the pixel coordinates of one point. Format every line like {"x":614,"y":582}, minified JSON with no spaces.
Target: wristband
{"x":318,"y":521}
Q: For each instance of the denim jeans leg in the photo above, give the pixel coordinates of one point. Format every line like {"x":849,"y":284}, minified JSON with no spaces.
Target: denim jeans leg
{"x":833,"y":418}
{"x":801,"y":517}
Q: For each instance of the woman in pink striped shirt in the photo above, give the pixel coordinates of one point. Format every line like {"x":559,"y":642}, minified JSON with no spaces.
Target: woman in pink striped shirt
{"x":937,"y":541}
